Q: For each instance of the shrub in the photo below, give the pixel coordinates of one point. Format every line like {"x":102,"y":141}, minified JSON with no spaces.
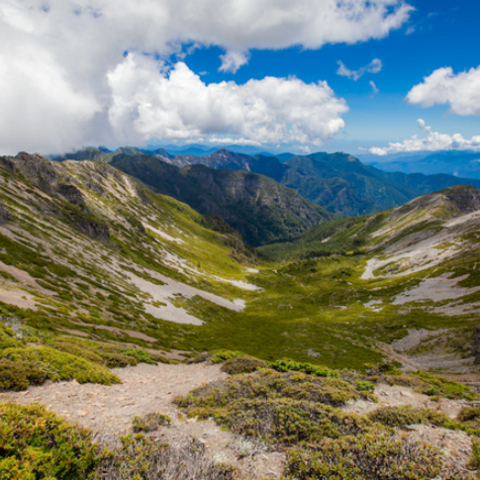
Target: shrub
{"x":57,"y":365}
{"x":286,"y":421}
{"x":279,"y":407}
{"x":470,"y":418}
{"x":364,"y":386}
{"x":270,"y":384}
{"x":107,"y":355}
{"x":381,"y":369}
{"x":76,"y":348}
{"x":374,"y":456}
{"x":429,"y":384}
{"x":407,"y":415}
{"x":288,"y":365}
{"x":220,"y":356}
{"x":18,"y":375}
{"x":150,"y":422}
{"x":7,"y":335}
{"x":142,"y":458}
{"x":242,"y":364}
{"x":142,"y":356}
{"x":475,"y":460}
{"x":36,"y":444}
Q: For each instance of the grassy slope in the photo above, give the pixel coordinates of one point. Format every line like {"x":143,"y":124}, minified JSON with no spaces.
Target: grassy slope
{"x":308,"y":309}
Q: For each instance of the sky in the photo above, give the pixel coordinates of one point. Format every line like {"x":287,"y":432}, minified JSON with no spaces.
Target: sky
{"x":372,"y":76}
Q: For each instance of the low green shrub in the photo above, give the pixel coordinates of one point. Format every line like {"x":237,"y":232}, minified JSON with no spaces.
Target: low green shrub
{"x":444,"y":387}
{"x":57,"y":365}
{"x":18,"y":375}
{"x":220,"y":356}
{"x":279,"y":407}
{"x":142,"y":356}
{"x":106,"y":355}
{"x":285,"y":421}
{"x":364,"y":386}
{"x":288,"y":365}
{"x":243,"y":364}
{"x":406,"y":415}
{"x":427,"y":384}
{"x":7,"y":338}
{"x":271,"y":384}
{"x":381,"y":369}
{"x":76,"y":348}
{"x":475,"y":460}
{"x":373,"y":456}
{"x":470,"y":418}
{"x":36,"y":444}
{"x":150,"y":422}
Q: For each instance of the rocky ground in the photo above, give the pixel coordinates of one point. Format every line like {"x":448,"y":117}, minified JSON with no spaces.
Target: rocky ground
{"x":108,"y":411}
{"x":151,"y":388}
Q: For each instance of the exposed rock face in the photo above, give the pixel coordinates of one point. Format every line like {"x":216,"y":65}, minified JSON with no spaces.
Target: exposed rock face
{"x":44,"y":174}
{"x":93,"y":229}
{"x":70,"y":193}
{"x":98,"y":189}
{"x":37,"y":169}
{"x":5,"y":215}
{"x":465,"y":198}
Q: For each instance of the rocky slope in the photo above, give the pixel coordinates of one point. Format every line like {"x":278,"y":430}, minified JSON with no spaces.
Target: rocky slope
{"x":258,"y":207}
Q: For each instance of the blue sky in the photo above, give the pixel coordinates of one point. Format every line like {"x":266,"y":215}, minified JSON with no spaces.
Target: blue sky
{"x":383,"y":76}
{"x":440,"y":33}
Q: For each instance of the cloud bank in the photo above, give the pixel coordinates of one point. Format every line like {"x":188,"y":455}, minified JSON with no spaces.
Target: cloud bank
{"x":432,"y":141}
{"x":62,"y":62}
{"x":443,"y":87}
{"x":178,"y":105}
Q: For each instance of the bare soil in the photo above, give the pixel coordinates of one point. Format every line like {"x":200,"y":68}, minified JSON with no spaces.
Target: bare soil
{"x":108,"y":411}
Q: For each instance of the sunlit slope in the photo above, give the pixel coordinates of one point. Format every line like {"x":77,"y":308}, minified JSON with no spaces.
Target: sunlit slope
{"x":89,"y":252}
{"x":412,"y":273}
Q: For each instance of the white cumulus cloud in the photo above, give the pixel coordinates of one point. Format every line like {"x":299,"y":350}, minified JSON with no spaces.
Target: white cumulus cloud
{"x":374,"y":66}
{"x":431,"y":141}
{"x":461,"y":91}
{"x":178,"y":105}
{"x":60,"y":62}
{"x":232,"y":61}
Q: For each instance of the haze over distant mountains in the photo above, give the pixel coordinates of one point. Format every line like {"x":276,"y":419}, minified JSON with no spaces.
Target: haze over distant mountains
{"x":457,"y":162}
{"x":338,"y":182}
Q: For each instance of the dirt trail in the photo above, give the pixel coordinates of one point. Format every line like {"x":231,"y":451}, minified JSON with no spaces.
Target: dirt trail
{"x":151,"y":388}
{"x":108,"y":411}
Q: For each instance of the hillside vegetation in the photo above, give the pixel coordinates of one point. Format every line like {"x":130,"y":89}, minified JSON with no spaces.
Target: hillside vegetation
{"x":100,"y":271}
{"x":90,"y":253}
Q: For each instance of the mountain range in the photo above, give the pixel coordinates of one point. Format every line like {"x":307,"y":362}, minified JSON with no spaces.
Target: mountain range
{"x":458,"y":163}
{"x":338,"y":182}
{"x":92,"y":253}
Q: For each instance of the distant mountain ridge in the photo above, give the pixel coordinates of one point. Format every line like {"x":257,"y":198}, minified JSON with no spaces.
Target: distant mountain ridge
{"x":338,"y":182}
{"x":261,"y":209}
{"x":458,"y":163}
